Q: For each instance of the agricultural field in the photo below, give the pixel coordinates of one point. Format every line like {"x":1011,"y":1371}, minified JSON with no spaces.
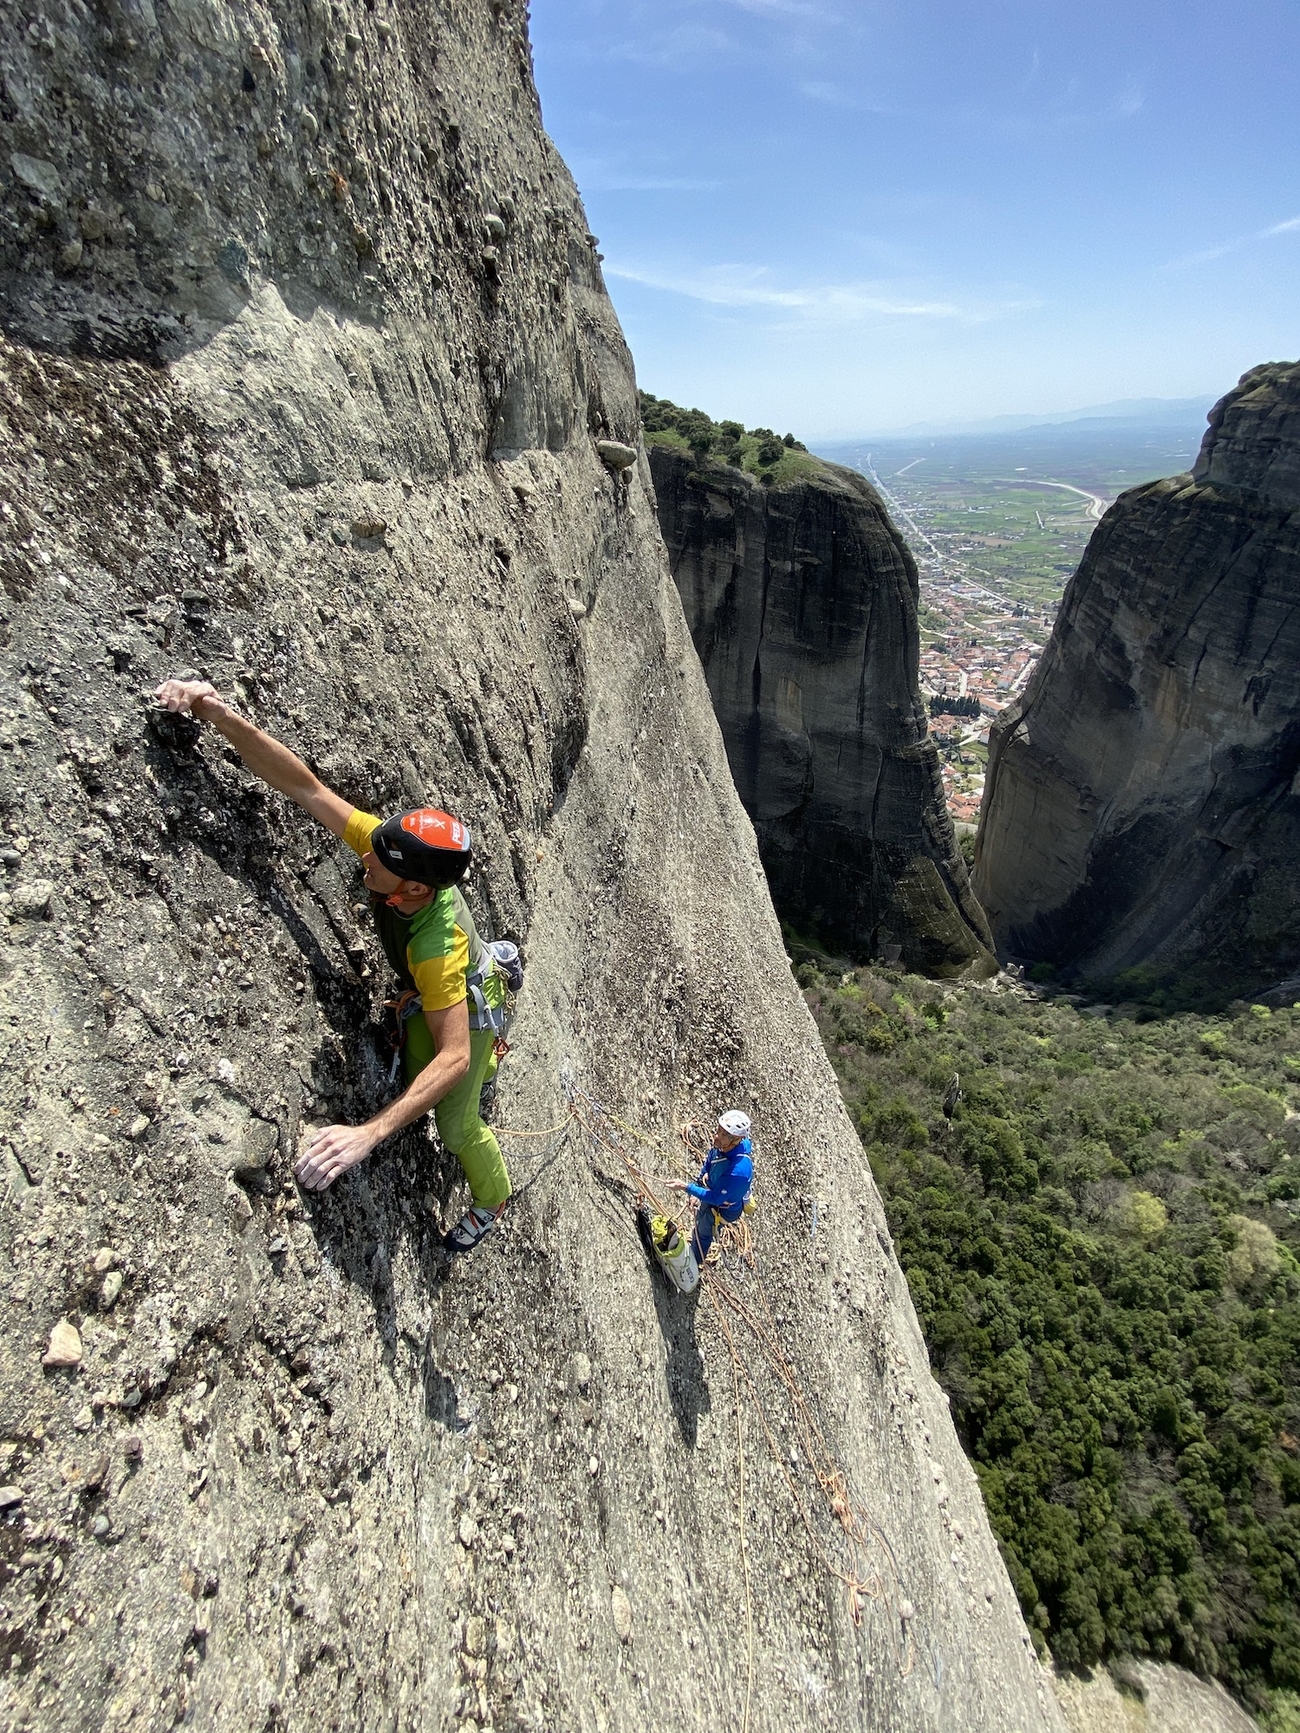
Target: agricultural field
{"x":1000,"y":506}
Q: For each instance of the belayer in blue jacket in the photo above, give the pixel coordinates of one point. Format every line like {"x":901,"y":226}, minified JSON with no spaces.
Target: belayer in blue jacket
{"x":725,"y":1182}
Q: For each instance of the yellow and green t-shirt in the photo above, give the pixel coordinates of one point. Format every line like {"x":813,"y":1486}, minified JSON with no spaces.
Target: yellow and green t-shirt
{"x":432,"y":950}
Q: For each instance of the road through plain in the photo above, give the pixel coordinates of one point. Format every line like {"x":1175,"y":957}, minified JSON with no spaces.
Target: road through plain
{"x":1097,"y":508}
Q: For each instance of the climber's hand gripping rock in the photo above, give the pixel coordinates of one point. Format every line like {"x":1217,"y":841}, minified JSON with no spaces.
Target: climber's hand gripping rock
{"x":332,"y":1152}
{"x":336,"y":1148}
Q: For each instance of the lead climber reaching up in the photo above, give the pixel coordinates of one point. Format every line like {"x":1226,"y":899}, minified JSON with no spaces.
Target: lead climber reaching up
{"x":413,"y":864}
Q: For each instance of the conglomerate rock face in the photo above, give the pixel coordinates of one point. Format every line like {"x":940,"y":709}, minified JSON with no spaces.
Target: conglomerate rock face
{"x":802,"y":604}
{"x":1142,"y":809}
{"x":307,"y":367}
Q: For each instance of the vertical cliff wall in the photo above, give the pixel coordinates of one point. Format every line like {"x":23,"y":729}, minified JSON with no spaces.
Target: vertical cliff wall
{"x":1142,"y":810}
{"x":307,"y":354}
{"x":801,"y":600}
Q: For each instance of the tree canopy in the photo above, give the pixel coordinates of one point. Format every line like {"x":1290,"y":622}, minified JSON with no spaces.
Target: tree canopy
{"x":1101,"y":1248}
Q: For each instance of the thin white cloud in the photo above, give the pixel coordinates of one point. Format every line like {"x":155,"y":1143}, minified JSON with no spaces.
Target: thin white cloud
{"x":1065,"y":114}
{"x":785,"y":9}
{"x":686,"y":46}
{"x":834,"y":96}
{"x":1289,"y":226}
{"x":827,"y":304}
{"x":615,"y":183}
{"x":653,"y":172}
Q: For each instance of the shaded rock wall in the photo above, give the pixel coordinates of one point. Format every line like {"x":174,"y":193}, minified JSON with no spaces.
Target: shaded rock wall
{"x":1142,"y":809}
{"x":307,"y":355}
{"x":802,"y":604}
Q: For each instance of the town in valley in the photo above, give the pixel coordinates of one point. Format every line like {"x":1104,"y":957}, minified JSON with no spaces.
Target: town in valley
{"x":997,"y":524}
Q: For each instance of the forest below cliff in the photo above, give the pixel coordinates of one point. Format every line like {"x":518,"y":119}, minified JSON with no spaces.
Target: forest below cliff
{"x":1101,"y":1247}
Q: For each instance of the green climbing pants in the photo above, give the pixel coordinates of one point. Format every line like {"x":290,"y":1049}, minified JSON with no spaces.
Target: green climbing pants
{"x":456,"y":1115}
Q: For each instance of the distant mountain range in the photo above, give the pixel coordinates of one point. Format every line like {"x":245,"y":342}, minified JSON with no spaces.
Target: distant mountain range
{"x":1152,"y":411}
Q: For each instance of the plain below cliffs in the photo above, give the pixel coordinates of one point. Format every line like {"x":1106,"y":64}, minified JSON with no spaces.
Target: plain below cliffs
{"x":801,"y":599}
{"x":310,"y":383}
{"x":1142,"y":819}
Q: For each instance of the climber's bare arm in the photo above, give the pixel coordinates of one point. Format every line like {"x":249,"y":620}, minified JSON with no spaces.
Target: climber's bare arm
{"x":338,"y":1147}
{"x":264,"y":756}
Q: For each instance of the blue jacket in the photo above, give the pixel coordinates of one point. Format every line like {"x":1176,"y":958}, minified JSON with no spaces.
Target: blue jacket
{"x":725,"y":1180}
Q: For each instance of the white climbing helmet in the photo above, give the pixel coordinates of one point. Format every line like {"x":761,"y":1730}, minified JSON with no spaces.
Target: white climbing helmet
{"x":734,"y":1124}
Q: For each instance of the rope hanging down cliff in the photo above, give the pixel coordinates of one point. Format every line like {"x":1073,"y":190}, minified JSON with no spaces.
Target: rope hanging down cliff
{"x":847,"y":1554}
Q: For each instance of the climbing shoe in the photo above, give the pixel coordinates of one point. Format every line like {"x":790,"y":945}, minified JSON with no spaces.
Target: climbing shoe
{"x":476,"y":1223}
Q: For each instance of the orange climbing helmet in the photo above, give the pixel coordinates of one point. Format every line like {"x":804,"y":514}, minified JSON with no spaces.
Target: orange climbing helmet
{"x":427,"y":845}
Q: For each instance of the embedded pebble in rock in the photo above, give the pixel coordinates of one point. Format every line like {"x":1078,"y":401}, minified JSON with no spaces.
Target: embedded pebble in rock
{"x":104,"y":1259}
{"x":32,"y":899}
{"x":10,"y":1496}
{"x":238,"y":1208}
{"x":475,"y":1635}
{"x":100,"y":1527}
{"x":64,"y":1347}
{"x":110,"y":1290}
{"x":621,"y":1608}
{"x":468,"y":1531}
{"x":36,"y":173}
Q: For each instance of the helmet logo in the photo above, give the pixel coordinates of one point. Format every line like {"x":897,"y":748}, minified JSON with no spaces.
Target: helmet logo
{"x":435,"y":829}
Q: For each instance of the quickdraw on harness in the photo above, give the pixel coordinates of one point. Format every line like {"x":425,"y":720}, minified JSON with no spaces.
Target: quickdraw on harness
{"x":404,"y":1006}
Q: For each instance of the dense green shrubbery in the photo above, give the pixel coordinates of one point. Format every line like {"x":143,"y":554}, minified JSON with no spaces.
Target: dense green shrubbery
{"x":1101,"y":1250}
{"x":759,"y":451}
{"x":954,"y":706}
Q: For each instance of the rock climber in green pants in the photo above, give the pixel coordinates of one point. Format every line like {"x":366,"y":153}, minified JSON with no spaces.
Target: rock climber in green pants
{"x":449,"y":1013}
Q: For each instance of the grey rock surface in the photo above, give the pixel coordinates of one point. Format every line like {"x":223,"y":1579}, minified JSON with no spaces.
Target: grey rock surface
{"x":801,"y":601}
{"x":302,"y":1474}
{"x":1154,"y":1698}
{"x":1142,"y":809}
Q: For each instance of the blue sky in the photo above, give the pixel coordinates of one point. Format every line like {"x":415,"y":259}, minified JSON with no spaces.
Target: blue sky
{"x":836,"y":216}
